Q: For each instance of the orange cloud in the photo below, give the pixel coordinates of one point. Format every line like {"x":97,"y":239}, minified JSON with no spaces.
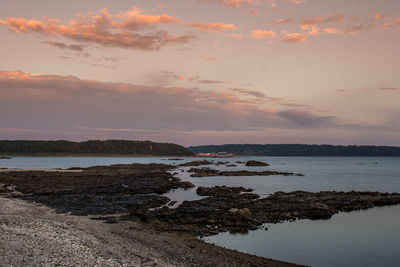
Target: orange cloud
{"x":134,"y":20}
{"x":235,"y":35}
{"x":347,"y":31}
{"x":259,"y":34}
{"x":212,"y":27}
{"x":294,"y":38}
{"x":123,"y":30}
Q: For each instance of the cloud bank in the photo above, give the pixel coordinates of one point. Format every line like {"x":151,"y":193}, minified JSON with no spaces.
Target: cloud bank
{"x":130,"y":30}
{"x":67,"y":102}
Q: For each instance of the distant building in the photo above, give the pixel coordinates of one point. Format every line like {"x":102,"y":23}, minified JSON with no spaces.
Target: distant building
{"x":216,"y":155}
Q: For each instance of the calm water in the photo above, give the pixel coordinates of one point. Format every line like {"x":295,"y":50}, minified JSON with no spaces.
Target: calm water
{"x":361,"y":238}
{"x":364,"y":238}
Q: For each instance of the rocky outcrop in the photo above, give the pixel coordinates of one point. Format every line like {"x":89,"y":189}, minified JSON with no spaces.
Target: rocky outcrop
{"x":221,"y":190}
{"x":254,"y":163}
{"x":229,"y":209}
{"x":203,"y":172}
{"x":196,"y":163}
{"x":98,"y":190}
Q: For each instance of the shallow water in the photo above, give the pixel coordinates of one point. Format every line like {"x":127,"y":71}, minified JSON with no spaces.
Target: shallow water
{"x":362,"y":238}
{"x":365,"y":238}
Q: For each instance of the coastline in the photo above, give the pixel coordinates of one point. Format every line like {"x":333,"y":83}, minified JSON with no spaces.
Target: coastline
{"x":37,"y":235}
{"x":119,"y":201}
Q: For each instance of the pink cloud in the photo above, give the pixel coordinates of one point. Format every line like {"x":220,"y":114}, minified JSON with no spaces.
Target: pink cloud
{"x":259,"y":34}
{"x":233,"y":3}
{"x":281,"y":21}
{"x":312,"y":25}
{"x":124,"y":30}
{"x":390,"y":23}
{"x":296,"y":2}
{"x":212,"y":27}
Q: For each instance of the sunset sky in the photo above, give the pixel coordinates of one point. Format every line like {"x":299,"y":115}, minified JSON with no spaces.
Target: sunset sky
{"x":201,"y":71}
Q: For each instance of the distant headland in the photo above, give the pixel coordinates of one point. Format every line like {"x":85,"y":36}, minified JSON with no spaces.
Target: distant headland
{"x":299,"y":150}
{"x":91,"y":148}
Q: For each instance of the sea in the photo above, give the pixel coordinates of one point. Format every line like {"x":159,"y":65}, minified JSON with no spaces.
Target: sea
{"x":359,"y":238}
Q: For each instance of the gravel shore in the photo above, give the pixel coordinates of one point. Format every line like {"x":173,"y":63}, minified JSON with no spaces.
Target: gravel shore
{"x":34,"y":235}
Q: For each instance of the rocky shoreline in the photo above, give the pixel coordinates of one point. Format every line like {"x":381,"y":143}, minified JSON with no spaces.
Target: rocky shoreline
{"x":203,"y":172}
{"x":234,"y":209}
{"x":131,"y":194}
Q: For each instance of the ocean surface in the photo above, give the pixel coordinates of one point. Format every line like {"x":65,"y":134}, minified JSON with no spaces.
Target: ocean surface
{"x":361,"y":238}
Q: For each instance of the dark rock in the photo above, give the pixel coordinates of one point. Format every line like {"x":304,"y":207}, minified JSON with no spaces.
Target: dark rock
{"x":252,"y":163}
{"x":196,"y":163}
{"x":221,"y":190}
{"x":203,"y":172}
{"x":171,"y":203}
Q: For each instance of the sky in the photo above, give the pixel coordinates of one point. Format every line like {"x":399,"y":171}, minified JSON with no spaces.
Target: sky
{"x":197,"y":72}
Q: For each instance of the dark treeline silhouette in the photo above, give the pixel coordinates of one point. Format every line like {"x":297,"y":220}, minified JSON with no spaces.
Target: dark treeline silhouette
{"x":119,"y":147}
{"x":299,"y":150}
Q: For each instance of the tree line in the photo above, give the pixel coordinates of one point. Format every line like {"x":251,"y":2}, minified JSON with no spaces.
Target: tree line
{"x":123,"y":147}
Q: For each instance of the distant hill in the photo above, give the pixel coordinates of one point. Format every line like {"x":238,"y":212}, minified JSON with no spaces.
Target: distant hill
{"x":299,"y":150}
{"x":110,"y":147}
